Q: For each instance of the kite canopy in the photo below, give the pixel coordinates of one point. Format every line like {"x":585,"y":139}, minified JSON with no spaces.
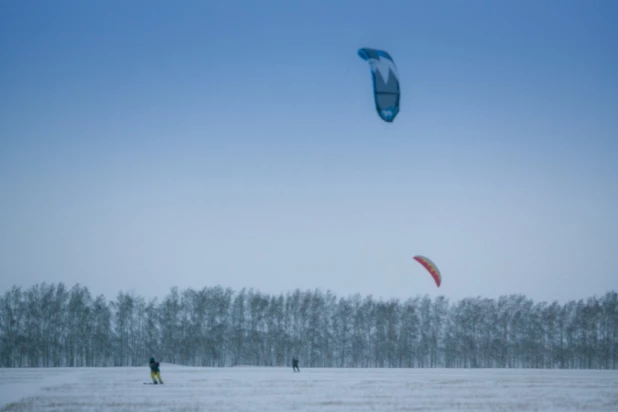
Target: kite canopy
{"x":431,"y":267}
{"x":385,"y":82}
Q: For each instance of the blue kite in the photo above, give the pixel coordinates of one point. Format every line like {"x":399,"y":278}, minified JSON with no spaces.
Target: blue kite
{"x":385,"y":82}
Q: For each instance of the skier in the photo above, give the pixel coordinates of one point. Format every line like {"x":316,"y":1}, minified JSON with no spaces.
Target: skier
{"x":154,"y":371}
{"x":295,"y":365}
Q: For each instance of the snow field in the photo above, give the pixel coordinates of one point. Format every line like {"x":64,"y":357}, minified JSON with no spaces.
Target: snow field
{"x":279,"y":389}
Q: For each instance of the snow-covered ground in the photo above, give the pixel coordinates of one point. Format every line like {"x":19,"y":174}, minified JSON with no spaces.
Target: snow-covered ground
{"x":279,"y":389}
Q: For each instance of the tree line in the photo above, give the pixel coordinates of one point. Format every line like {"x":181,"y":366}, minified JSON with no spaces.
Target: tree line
{"x":49,"y":325}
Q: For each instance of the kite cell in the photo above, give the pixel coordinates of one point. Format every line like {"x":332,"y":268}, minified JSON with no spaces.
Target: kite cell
{"x":385,"y":82}
{"x":431,"y":267}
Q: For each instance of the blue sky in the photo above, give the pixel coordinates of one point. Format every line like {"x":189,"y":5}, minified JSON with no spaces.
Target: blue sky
{"x":145,"y":145}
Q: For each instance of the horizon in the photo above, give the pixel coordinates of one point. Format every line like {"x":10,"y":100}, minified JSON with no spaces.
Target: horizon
{"x":235,"y":292}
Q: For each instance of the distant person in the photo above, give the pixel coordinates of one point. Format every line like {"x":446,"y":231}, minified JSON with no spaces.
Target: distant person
{"x":295,"y":367}
{"x":154,"y":371}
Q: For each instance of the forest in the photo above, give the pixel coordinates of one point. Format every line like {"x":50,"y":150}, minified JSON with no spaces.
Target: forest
{"x":51,"y":325}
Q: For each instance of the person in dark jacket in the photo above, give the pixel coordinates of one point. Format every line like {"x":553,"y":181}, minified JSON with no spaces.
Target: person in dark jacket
{"x":154,"y":371}
{"x":295,"y":367}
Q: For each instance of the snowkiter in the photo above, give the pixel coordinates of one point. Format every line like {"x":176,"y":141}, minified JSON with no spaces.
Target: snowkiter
{"x":154,"y":371}
{"x":295,"y":367}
